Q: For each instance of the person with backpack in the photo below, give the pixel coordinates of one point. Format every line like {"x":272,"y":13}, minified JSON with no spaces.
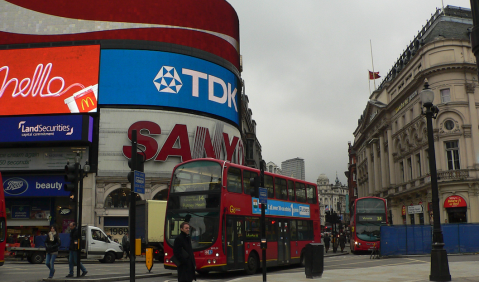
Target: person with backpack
{"x":52,"y":243}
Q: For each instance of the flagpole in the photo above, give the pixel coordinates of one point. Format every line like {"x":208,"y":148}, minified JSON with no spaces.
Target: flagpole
{"x":372,"y":62}
{"x":369,"y":82}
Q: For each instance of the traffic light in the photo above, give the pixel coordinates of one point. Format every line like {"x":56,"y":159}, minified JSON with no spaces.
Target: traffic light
{"x":328,"y":216}
{"x":255,"y":182}
{"x":71,"y":176}
{"x":138,"y":166}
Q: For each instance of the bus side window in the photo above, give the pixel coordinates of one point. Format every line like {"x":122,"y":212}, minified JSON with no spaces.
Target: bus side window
{"x":294,"y":234}
{"x":234,"y":180}
{"x":268,"y":184}
{"x":291,"y":190}
{"x":280,"y":188}
{"x":300,"y":192}
{"x":247,"y":188}
{"x":271,"y":230}
{"x":311,"y":194}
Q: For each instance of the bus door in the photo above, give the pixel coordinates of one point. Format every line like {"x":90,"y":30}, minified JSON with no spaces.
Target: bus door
{"x":283,"y":241}
{"x":235,"y":242}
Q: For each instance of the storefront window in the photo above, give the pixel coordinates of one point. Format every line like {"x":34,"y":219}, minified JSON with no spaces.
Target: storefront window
{"x":120,"y":198}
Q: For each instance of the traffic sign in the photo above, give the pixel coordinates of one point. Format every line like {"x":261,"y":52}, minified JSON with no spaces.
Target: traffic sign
{"x":139,"y":182}
{"x":263,"y":195}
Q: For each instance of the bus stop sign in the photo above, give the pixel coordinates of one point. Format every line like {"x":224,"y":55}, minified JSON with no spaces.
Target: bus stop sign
{"x":263,"y":195}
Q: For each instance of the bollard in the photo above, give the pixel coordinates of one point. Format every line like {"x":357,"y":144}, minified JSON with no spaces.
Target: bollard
{"x":314,"y":260}
{"x":149,"y":259}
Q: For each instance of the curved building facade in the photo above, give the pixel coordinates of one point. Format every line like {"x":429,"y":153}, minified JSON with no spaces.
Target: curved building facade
{"x":79,"y":77}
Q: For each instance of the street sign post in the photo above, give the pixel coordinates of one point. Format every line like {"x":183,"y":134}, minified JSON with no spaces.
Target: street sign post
{"x":263,"y":195}
{"x":139,"y":182}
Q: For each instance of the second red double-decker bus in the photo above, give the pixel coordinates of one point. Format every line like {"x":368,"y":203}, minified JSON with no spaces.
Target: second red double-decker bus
{"x":367,"y":216}
{"x":215,"y":198}
{"x":3,"y":224}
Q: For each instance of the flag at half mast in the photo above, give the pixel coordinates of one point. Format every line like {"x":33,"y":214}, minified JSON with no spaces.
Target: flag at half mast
{"x":373,"y":75}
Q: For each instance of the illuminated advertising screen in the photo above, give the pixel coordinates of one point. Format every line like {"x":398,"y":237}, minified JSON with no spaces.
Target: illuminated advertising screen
{"x":49,"y":80}
{"x":46,"y":128}
{"x":154,"y":78}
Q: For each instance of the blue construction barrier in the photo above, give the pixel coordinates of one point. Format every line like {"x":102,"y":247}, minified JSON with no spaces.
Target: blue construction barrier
{"x":417,"y":239}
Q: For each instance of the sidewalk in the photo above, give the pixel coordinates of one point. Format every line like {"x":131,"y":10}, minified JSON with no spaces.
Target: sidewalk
{"x":460,"y":271}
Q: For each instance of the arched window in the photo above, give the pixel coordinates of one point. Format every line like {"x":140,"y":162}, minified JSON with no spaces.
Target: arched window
{"x":119,"y":198}
{"x":161,"y":195}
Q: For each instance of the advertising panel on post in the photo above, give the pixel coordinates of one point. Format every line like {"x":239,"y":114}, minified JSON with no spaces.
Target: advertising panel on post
{"x":49,"y":80}
{"x":166,"y":138}
{"x":154,"y":78}
{"x":46,"y":128}
{"x":34,"y":186}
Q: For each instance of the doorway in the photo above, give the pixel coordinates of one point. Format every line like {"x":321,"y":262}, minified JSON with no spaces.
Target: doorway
{"x":235,"y":242}
{"x":284,"y":247}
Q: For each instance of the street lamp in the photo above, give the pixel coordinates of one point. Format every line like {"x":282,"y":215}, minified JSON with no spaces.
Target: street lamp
{"x":439,"y":263}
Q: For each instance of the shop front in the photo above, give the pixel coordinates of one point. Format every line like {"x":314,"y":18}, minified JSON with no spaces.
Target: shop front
{"x":456,"y":208}
{"x":116,"y":227}
{"x":34,"y":203}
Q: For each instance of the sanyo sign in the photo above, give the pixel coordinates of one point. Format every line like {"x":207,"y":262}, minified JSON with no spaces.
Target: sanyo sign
{"x":153,"y":78}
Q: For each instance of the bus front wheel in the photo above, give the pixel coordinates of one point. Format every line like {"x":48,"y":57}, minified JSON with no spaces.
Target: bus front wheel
{"x":252,"y":265}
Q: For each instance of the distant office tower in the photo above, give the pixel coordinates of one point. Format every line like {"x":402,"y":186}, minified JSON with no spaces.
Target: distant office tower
{"x":293,"y":168}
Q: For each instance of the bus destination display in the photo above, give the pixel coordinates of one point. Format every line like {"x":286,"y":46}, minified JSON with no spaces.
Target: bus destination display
{"x":193,"y":202}
{"x":371,"y":218}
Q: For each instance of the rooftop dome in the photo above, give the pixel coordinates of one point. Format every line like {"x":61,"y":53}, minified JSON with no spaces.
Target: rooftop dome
{"x":323,"y":177}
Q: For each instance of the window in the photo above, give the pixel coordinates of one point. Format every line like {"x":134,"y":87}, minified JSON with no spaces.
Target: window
{"x":161,"y":195}
{"x":247,"y":175}
{"x":409,"y":165}
{"x":271,"y":235}
{"x":120,"y":198}
{"x":449,"y":124}
{"x":418,"y":162}
{"x":445,"y":95}
{"x":305,"y":230}
{"x":197,"y":176}
{"x":294,"y":233}
{"x":268,"y":184}
{"x":300,"y":192}
{"x":311,"y":194}
{"x":281,"y":192}
{"x":452,"y":152}
{"x":99,"y":236}
{"x":401,"y":171}
{"x":252,"y":228}
{"x":234,"y":180}
{"x":3,"y":229}
{"x":427,"y":162}
{"x":291,"y":190}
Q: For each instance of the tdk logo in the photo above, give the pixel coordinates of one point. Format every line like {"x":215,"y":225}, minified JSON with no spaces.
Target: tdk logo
{"x":15,"y":186}
{"x":167,"y":80}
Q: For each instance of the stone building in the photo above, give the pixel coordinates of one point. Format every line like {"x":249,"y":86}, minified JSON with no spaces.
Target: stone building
{"x":391,"y":138}
{"x":330,"y":195}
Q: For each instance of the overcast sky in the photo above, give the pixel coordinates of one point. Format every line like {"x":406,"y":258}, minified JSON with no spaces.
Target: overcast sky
{"x":305,"y":66}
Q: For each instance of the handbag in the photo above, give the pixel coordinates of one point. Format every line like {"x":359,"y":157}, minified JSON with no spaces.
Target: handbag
{"x":176,"y":260}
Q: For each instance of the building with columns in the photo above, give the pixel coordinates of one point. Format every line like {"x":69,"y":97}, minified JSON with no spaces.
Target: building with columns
{"x":391,"y":138}
{"x":330,"y":195}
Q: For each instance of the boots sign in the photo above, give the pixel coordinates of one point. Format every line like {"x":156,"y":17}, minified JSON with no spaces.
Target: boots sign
{"x":166,"y":138}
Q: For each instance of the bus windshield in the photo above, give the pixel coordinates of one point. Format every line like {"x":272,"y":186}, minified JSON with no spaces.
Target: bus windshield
{"x":203,"y":228}
{"x":197,"y":176}
{"x":368,"y":231}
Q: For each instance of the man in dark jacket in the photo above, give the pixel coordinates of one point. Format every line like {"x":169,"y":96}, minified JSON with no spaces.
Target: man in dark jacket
{"x":183,"y":251}
{"x":72,"y":258}
{"x":125,"y":243}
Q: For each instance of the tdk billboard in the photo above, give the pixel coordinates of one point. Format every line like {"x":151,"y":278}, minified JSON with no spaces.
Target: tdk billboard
{"x":154,"y":78}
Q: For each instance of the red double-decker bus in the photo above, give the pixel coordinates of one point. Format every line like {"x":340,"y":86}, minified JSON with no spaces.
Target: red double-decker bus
{"x":215,"y":198}
{"x":367,"y":216}
{"x":3,"y":223}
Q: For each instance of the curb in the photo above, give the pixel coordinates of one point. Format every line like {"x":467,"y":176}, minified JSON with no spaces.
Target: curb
{"x":106,"y":279}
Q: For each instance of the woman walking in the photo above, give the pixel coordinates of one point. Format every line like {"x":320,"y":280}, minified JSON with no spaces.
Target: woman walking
{"x":52,"y":243}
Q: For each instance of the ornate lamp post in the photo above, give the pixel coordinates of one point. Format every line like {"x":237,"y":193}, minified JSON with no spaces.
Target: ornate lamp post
{"x":439,"y":262}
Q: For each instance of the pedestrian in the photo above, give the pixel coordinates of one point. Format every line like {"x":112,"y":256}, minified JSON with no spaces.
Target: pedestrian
{"x":125,"y":243}
{"x":72,"y":257}
{"x":183,"y":252}
{"x":326,"y":240}
{"x":342,"y":241}
{"x":52,"y":243}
